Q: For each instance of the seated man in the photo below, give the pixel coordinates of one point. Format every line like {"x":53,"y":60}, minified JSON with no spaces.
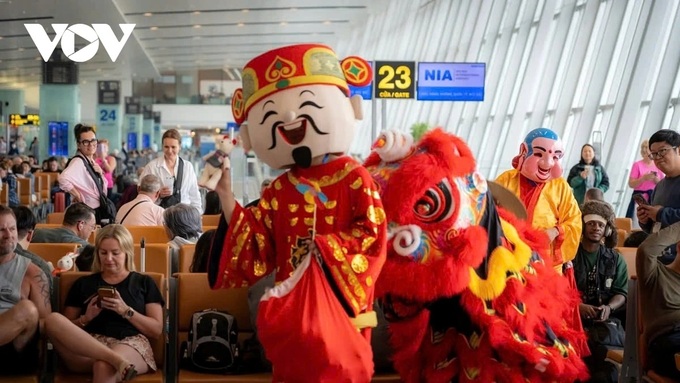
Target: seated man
{"x":143,"y":211}
{"x":9,"y":181}
{"x":659,"y":300}
{"x":79,"y":222}
{"x":602,"y":280}
{"x":24,"y":299}
{"x":25,"y":228}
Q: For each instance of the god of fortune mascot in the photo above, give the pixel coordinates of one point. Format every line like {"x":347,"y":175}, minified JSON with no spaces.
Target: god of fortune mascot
{"x":469,"y":290}
{"x":320,"y":226}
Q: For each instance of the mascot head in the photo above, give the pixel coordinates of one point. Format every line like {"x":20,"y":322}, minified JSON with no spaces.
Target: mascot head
{"x":539,"y":156}
{"x":431,"y":191}
{"x":295,"y":104}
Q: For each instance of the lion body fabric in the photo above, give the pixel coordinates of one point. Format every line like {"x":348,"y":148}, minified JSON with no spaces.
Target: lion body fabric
{"x":469,"y":290}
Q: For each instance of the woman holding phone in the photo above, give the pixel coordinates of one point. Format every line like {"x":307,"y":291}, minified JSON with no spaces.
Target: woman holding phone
{"x":588,"y":173}
{"x":109,"y":315}
{"x":643,"y":179}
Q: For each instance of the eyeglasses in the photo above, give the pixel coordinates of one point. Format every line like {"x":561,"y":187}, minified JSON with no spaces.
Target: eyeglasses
{"x":89,"y":142}
{"x":660,"y":153}
{"x":91,"y":226}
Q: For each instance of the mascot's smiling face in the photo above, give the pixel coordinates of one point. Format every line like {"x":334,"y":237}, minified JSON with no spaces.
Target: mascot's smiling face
{"x":293,"y":126}
{"x":430,"y":195}
{"x":539,"y":156}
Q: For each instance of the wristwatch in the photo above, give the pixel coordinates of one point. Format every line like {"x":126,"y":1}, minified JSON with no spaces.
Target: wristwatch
{"x":129,"y":313}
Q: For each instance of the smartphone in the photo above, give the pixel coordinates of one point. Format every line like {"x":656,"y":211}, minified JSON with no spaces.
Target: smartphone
{"x":214,"y":160}
{"x":105,"y":292}
{"x":640,"y":200}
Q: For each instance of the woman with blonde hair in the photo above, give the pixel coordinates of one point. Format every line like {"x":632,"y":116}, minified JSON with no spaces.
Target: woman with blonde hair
{"x":119,"y":323}
{"x":643,"y":177}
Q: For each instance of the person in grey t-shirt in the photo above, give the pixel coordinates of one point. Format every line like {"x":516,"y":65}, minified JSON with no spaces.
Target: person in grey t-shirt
{"x":664,"y":209}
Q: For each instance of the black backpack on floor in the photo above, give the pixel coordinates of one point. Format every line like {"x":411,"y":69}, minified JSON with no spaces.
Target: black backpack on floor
{"x":212,"y":343}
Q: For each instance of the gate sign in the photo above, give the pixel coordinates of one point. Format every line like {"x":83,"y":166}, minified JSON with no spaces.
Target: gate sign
{"x":451,"y":81}
{"x":394,"y":79}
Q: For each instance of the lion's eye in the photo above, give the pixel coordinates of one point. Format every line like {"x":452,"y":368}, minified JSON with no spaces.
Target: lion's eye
{"x":436,"y":204}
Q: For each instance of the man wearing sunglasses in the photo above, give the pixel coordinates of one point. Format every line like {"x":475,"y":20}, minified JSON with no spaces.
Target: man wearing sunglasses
{"x":664,"y":209}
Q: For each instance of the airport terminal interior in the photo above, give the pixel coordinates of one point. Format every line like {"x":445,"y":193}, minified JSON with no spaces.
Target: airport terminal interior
{"x":600,"y":72}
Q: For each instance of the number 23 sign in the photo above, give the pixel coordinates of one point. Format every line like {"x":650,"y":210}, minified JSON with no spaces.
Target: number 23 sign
{"x":394,"y":79}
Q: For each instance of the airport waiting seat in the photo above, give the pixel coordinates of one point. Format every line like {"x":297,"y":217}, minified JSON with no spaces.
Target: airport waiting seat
{"x":55,"y":218}
{"x":628,"y":254}
{"x":157,"y":258}
{"x":194,"y":294}
{"x":621,"y":236}
{"x":151,"y":234}
{"x":24,"y":192}
{"x":210,"y":219}
{"x":65,"y":282}
{"x":20,"y":378}
{"x":625,"y":224}
{"x":4,"y":196}
{"x":43,"y":186}
{"x":52,"y":252}
{"x":186,"y":256}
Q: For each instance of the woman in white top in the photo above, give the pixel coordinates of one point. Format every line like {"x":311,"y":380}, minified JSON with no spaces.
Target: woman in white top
{"x":75,"y":178}
{"x":167,"y":169}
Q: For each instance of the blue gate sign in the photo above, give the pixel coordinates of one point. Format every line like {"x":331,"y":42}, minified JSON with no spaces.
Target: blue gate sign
{"x":451,"y":81}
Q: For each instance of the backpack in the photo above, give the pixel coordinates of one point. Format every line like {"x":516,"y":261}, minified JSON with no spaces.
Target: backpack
{"x":212,"y":342}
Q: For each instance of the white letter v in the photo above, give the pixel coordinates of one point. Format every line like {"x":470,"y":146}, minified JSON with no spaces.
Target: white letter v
{"x":42,"y":41}
{"x":109,"y":40}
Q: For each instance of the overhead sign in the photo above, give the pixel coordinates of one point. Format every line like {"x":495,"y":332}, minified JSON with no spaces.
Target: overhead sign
{"x":133,"y":105}
{"x":451,"y":81}
{"x":109,"y":92}
{"x":24,"y":119}
{"x":108,"y":117}
{"x":394,"y":79}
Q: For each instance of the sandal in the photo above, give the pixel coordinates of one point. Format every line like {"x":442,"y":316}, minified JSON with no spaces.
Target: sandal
{"x":127,"y":372}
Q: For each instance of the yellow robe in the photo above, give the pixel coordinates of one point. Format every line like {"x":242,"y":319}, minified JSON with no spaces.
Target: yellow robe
{"x":556,"y":207}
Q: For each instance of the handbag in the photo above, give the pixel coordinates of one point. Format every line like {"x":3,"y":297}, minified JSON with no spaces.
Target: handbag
{"x":301,"y":319}
{"x":106,"y":212}
{"x":176,"y":197}
{"x":609,"y":333}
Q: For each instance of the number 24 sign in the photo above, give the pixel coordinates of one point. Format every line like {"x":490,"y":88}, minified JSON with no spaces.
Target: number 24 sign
{"x":394,"y":79}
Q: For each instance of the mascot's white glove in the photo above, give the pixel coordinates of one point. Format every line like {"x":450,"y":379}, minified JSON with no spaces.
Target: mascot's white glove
{"x":393,"y":145}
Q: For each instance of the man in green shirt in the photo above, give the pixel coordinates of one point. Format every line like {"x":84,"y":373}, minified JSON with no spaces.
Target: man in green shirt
{"x":602,"y":280}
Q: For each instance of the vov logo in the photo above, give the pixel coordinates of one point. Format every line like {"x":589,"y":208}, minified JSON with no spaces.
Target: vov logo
{"x":67,"y":35}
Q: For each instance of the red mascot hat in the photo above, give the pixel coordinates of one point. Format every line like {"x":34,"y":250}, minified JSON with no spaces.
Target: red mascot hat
{"x":292,"y":66}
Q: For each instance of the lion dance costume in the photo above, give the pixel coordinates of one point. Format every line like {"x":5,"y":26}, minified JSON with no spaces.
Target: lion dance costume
{"x":469,"y":290}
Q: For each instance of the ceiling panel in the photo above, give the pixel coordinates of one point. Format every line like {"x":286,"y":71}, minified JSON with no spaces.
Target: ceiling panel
{"x":175,"y":34}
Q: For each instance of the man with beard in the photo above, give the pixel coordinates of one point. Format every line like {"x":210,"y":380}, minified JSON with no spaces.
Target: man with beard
{"x":602,"y":279}
{"x":320,"y":226}
{"x":24,"y":299}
